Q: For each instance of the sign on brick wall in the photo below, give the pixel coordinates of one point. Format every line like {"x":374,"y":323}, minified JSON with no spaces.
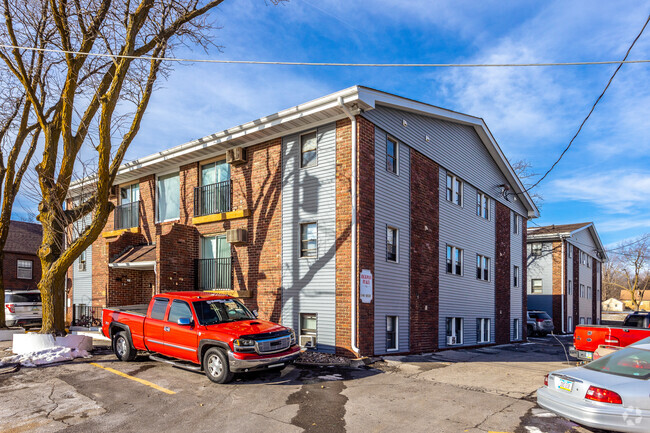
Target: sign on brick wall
{"x":365,"y":286}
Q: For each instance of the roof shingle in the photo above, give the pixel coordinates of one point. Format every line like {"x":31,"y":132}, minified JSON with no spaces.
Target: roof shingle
{"x":24,"y":237}
{"x":556,"y":229}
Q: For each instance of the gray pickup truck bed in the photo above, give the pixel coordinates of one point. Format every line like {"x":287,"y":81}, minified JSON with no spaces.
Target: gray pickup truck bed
{"x":138,"y":310}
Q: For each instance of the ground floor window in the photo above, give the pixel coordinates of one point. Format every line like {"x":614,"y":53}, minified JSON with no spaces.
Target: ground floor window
{"x":582,"y":320}
{"x":391,"y":332}
{"x":570,"y":324}
{"x":483,"y":330}
{"x":308,"y":329}
{"x":588,"y":320}
{"x":536,"y":286}
{"x":454,"y":330}
{"x":515,"y":330}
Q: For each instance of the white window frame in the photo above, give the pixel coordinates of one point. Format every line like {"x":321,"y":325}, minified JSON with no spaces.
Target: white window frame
{"x":82,"y":261}
{"x":24,"y":269}
{"x":570,"y":323}
{"x":457,"y":186}
{"x":158,"y":175}
{"x":315,"y":132}
{"x":396,"y":231}
{"x":453,"y":261}
{"x":532,"y":285}
{"x":516,"y":332}
{"x":536,"y":249}
{"x":396,"y":348}
{"x":515,"y":276}
{"x":300,"y":240}
{"x":484,"y":322}
{"x":459,"y":341}
{"x":396,"y":158}
{"x":482,"y":207}
{"x":516,"y":223}
{"x":582,"y":290}
{"x":570,"y":288}
{"x":310,"y":332}
{"x":483,"y":263}
{"x":582,"y":320}
{"x":589,"y":292}
{"x":570,"y":248}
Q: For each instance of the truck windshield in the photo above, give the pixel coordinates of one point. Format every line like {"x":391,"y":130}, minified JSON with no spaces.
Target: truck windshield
{"x":220,"y":311}
{"x":629,"y":362}
{"x":541,"y":315}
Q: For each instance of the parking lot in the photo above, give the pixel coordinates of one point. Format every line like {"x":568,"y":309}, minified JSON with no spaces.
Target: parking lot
{"x":474,"y":390}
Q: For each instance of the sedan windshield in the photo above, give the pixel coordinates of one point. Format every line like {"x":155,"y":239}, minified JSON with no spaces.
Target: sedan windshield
{"x":220,"y":311}
{"x":629,"y":362}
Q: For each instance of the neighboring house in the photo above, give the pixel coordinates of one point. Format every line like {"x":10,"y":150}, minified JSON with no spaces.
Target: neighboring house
{"x":626,"y":297}
{"x":565,"y":273}
{"x":612,"y":304}
{"x":433,"y":257}
{"x":21,"y":266}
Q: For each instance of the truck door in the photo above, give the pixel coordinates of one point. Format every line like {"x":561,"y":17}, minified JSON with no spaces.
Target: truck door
{"x":180,"y":340}
{"x":154,"y":324}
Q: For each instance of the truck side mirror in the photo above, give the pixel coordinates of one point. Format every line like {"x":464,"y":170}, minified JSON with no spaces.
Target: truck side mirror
{"x":255,"y":313}
{"x":184,"y":321}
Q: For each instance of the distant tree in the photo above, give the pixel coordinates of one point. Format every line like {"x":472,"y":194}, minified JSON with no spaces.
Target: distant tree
{"x":524,"y":170}
{"x":629,"y":269}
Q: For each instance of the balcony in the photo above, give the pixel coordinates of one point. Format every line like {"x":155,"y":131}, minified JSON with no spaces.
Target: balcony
{"x":127,"y":216}
{"x":214,"y":274}
{"x":212,"y":199}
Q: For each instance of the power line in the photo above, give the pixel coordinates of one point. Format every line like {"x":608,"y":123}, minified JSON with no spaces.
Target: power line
{"x":362,"y":65}
{"x":592,"y":108}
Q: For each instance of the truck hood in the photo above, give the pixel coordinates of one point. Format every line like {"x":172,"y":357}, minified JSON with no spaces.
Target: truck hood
{"x":246,"y":327}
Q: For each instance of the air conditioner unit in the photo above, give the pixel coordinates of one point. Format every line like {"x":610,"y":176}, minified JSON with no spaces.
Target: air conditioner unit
{"x":308,"y":341}
{"x":237,"y":236}
{"x":236,"y":156}
{"x":451,"y":340}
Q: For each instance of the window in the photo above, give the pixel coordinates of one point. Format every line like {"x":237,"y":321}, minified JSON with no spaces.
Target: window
{"x":582,"y":290}
{"x":309,"y":240}
{"x":215,"y":172}
{"x":482,"y":205}
{"x":82,"y":261}
{"x":391,"y":155}
{"x":515,"y":330}
{"x":391,"y":244}
{"x":308,"y":328}
{"x":515,"y":276}
{"x":536,"y":286}
{"x":570,"y":248}
{"x":482,"y":267}
{"x":570,"y":288}
{"x":24,"y":271}
{"x":454,"y":260}
{"x":454,"y":190}
{"x":130,"y":193}
{"x":309,"y":150}
{"x":159,"y":308}
{"x":588,"y":261}
{"x":482,"y":330}
{"x":589,"y":294}
{"x":179,"y":309}
{"x":391,"y":333}
{"x":582,"y":320}
{"x":169,"y":197}
{"x":588,"y":320}
{"x":570,"y":323}
{"x":214,"y":268}
{"x":516,"y":223}
{"x":454,"y":330}
{"x":537,"y":249}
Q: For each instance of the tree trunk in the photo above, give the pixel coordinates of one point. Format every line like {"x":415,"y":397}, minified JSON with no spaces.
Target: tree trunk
{"x":52,"y":275}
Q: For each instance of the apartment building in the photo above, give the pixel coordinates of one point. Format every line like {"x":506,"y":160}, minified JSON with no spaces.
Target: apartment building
{"x":565,"y":273}
{"x":368,"y":222}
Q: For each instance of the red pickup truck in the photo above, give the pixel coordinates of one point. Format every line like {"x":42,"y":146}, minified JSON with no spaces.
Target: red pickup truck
{"x":587,"y":338}
{"x":200,"y":331}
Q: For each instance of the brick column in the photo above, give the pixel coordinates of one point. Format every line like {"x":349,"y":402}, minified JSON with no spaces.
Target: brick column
{"x":502,"y":274}
{"x":576,"y":287}
{"x":557,"y":297}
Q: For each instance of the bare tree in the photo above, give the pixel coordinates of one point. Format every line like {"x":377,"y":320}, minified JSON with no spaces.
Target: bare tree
{"x":524,"y":170}
{"x":86,"y":104}
{"x":629,"y":269}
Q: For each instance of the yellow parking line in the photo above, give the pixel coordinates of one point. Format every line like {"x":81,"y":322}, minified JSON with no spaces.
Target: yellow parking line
{"x":142,"y":381}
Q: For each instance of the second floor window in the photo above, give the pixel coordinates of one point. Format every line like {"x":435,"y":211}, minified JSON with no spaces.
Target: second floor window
{"x":309,"y":240}
{"x":536,"y":286}
{"x":582,"y":290}
{"x":391,"y":155}
{"x":537,"y":249}
{"x":24,"y":271}
{"x":308,"y":150}
{"x":482,"y":205}
{"x":82,"y":261}
{"x":391,"y":244}
{"x":515,"y":276}
{"x":454,"y":260}
{"x":516,"y":223}
{"x":454,"y":189}
{"x":482,"y":267}
{"x":169,"y":197}
{"x":570,"y":288}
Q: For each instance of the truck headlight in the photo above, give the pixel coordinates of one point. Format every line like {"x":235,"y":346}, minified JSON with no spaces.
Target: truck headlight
{"x":244,"y":345}
{"x":293,"y":336}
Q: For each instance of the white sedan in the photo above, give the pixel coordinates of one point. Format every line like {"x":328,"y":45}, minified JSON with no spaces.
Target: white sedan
{"x":611,"y":393}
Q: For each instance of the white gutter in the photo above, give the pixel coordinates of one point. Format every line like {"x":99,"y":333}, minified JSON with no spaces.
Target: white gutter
{"x":353,"y":227}
{"x":134,"y":265}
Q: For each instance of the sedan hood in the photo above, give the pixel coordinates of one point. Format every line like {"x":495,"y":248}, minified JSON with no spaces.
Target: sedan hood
{"x":246,"y":327}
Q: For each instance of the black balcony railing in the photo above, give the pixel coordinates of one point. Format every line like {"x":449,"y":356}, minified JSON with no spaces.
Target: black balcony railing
{"x":213,"y":198}
{"x":214,"y":274}
{"x":127,"y":215}
{"x":86,"y":316}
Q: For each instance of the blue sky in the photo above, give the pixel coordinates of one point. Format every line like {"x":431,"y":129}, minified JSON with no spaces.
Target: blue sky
{"x":532,"y":112}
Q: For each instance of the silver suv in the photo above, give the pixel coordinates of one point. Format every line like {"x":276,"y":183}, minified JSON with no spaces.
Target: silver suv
{"x":23,"y":308}
{"x":539,"y":323}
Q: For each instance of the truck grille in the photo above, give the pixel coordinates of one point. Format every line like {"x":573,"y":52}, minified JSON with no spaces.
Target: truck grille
{"x":273,"y":345}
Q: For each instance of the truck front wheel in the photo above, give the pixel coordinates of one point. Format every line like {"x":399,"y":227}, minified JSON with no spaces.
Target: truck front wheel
{"x":122,"y":347}
{"x":215,"y":365}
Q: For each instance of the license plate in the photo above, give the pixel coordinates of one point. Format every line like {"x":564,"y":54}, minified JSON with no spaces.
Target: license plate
{"x":589,"y":355}
{"x":36,"y":308}
{"x":566,"y":385}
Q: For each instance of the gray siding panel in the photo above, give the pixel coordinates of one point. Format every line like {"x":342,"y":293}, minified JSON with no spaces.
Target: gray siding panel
{"x":516,"y":259}
{"x":82,"y":282}
{"x":309,"y":195}
{"x":392,"y":208}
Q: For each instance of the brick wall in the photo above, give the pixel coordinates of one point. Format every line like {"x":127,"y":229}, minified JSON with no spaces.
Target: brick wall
{"x":524,"y":277}
{"x":177,"y":249}
{"x":576,"y":287}
{"x":557,"y":298}
{"x":502,"y":274}
{"x":10,"y":271}
{"x":424,"y":263}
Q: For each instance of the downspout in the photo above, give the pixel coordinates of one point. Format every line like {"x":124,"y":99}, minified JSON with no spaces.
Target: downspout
{"x":353,"y":230}
{"x":564,"y":261}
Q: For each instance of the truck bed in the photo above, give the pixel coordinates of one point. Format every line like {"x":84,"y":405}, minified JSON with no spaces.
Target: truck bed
{"x":137,"y":310}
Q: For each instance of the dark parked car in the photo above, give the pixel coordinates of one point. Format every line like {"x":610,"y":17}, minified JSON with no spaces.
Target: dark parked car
{"x":539,"y":323}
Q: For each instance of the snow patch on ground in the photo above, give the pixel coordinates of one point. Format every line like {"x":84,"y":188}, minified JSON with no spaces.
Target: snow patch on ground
{"x":46,"y":356}
{"x":334,"y":376}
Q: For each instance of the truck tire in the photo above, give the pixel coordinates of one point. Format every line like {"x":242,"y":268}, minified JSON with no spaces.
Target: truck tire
{"x":122,"y":347}
{"x":215,"y":366}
